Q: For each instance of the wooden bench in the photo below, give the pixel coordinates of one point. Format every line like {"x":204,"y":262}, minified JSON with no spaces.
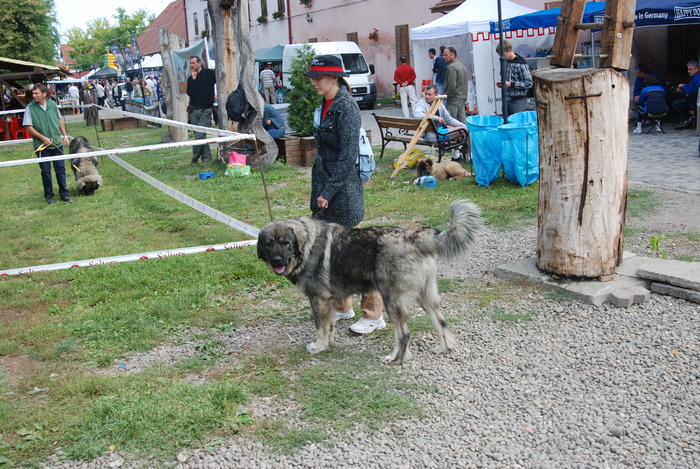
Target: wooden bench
{"x":401,"y":129}
{"x":120,"y":123}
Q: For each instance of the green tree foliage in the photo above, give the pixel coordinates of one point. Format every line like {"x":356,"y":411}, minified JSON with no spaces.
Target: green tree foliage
{"x":303,"y":99}
{"x":90,"y":44}
{"x":28,"y":31}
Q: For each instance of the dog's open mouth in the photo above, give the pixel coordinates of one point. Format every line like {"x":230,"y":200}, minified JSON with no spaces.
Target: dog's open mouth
{"x":280,"y":270}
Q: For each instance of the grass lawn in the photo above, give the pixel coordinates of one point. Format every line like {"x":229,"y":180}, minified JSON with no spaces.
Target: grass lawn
{"x":62,"y":330}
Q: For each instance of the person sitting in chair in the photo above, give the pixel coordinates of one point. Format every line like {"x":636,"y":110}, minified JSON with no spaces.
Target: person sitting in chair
{"x":441,"y":117}
{"x":273,"y":122}
{"x":652,"y":102}
{"x":686,"y":104}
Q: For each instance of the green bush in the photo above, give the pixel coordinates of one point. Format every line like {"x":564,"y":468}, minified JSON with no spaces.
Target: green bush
{"x":303,"y":99}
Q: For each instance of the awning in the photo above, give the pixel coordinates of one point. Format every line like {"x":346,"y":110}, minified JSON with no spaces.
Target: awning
{"x":269,"y":54}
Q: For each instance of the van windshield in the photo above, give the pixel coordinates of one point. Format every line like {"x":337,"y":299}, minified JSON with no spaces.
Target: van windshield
{"x":355,"y":63}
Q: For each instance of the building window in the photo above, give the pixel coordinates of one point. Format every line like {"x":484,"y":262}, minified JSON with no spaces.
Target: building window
{"x":206,"y":21}
{"x":263,"y":8}
{"x":196,"y":24}
{"x":313,"y":39}
{"x":280,"y":5}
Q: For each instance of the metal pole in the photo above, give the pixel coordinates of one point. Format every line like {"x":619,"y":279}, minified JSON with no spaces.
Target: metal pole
{"x":504,"y":95}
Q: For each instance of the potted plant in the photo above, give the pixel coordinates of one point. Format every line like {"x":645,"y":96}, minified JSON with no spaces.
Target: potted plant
{"x":278,"y":14}
{"x":262,"y":19}
{"x":373,"y":34}
{"x":306,"y":3}
{"x":303,"y":101}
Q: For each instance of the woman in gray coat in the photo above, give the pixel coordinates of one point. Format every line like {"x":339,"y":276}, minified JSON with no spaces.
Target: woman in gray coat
{"x":336,"y":190}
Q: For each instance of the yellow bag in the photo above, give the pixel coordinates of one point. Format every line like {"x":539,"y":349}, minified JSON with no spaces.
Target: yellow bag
{"x":411,"y":159}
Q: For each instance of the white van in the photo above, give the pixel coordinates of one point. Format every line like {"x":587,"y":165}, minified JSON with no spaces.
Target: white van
{"x":360,"y":80}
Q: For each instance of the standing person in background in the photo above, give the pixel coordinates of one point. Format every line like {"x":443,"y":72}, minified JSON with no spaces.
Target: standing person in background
{"x":439,"y":68}
{"x":267,"y":78}
{"x":200,"y":89}
{"x":337,"y":194}
{"x":129,"y":87}
{"x":518,"y":79}
{"x":100,"y":93}
{"x":405,"y":76}
{"x":74,"y":93}
{"x":42,"y":119}
{"x":138,"y":90}
{"x":431,"y":55}
{"x":146,"y":94}
{"x":456,"y":85}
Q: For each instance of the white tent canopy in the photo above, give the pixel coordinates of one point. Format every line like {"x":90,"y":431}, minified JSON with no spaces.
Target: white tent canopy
{"x":470,"y":17}
{"x":466,"y":28}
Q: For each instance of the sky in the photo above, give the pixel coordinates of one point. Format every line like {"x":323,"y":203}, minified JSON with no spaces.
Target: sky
{"x":78,"y":12}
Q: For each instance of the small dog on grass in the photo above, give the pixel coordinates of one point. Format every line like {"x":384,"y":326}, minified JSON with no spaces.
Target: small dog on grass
{"x":449,"y":170}
{"x":87,"y":179}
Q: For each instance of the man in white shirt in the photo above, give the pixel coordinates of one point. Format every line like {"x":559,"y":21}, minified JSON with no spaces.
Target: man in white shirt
{"x":74,"y":94}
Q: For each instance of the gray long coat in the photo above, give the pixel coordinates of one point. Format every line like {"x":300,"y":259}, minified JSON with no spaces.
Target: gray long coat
{"x":334,"y":175}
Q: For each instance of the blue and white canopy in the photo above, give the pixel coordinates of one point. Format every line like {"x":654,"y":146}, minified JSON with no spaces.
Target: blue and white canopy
{"x":647,"y":13}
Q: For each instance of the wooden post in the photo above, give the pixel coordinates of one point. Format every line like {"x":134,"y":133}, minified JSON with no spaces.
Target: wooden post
{"x":176,"y":102}
{"x":583,"y":116}
{"x":616,"y":42}
{"x":566,"y":37}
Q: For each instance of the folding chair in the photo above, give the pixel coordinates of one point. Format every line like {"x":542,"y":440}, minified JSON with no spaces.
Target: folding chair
{"x":656,"y":122}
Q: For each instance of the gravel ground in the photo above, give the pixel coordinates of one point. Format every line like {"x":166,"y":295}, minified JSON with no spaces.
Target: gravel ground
{"x":577,"y":386}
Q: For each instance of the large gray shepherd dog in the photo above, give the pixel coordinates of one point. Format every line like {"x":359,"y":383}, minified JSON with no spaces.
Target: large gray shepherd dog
{"x":87,"y":179}
{"x":327,"y":261}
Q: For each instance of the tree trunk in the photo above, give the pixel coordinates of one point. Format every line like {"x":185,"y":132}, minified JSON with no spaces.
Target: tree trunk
{"x":176,"y":102}
{"x":235,"y":63}
{"x":583,"y":127}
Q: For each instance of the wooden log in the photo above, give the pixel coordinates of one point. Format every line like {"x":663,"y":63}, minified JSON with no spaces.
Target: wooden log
{"x":583,"y":133}
{"x":176,"y":101}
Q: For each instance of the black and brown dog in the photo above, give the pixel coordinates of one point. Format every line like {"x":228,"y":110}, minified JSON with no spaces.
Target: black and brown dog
{"x":87,"y":179}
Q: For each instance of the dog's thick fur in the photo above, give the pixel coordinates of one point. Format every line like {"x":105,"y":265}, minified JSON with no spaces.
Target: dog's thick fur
{"x":327,"y":262}
{"x":87,"y":179}
{"x":442,"y":170}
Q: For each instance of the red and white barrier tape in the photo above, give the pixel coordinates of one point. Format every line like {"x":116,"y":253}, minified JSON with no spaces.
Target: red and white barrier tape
{"x":128,"y":258}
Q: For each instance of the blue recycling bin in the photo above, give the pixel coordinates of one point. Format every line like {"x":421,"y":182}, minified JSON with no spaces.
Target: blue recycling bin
{"x":523,"y":117}
{"x":486,"y":147}
{"x":521,"y":152}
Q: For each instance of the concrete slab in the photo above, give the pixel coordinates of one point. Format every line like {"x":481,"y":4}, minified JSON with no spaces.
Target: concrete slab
{"x":589,"y":291}
{"x":679,"y":273}
{"x":682,"y":293}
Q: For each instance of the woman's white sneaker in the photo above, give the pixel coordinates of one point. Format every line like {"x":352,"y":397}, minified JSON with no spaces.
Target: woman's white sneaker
{"x":346,"y":315}
{"x":365,"y":326}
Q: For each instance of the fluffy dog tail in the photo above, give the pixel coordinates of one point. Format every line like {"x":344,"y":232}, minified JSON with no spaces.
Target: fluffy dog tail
{"x":466,"y":223}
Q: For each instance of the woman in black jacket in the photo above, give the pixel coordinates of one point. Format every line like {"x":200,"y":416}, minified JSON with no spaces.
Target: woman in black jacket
{"x":336,"y":190}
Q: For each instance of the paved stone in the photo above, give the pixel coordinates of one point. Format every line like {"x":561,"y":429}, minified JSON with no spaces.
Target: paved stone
{"x":677,"y":292}
{"x":589,"y":291}
{"x":641,"y":294}
{"x":679,"y":273}
{"x":621,"y":298}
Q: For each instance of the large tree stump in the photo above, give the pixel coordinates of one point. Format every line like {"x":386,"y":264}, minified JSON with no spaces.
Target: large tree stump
{"x":583,"y":128}
{"x":235,"y":63}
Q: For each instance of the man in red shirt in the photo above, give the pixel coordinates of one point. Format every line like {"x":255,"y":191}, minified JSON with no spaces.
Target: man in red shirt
{"x":405,"y":76}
